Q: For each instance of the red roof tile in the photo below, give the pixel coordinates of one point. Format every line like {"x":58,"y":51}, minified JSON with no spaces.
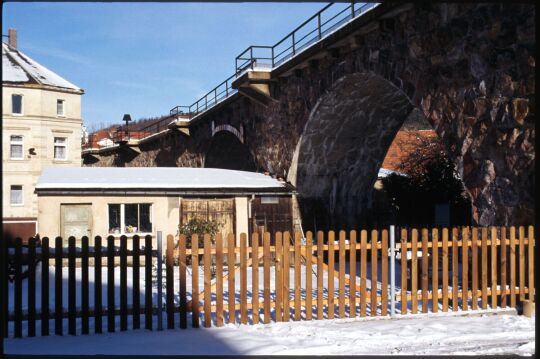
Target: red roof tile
{"x":403,"y":145}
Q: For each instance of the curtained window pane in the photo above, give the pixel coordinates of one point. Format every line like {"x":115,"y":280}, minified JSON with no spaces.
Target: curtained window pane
{"x":114,"y":218}
{"x":60,"y":151}
{"x":131,"y":217}
{"x":145,"y":220}
{"x":16,"y":147}
{"x":16,"y":195}
{"x":60,"y":107}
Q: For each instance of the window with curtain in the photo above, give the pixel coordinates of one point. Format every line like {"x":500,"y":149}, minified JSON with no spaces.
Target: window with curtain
{"x":16,"y":195}
{"x":16,"y":147}
{"x":60,"y":107}
{"x":60,"y":148}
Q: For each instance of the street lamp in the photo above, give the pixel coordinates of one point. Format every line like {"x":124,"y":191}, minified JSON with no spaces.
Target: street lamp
{"x":126,"y":119}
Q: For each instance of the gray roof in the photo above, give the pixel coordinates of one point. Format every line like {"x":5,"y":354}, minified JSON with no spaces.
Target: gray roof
{"x":19,"y":69}
{"x":155,"y":178}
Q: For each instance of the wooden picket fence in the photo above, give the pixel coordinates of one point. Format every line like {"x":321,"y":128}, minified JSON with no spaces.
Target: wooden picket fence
{"x":353,"y":295}
{"x":275,"y":277}
{"x":81,"y":257}
{"x":479,"y":267}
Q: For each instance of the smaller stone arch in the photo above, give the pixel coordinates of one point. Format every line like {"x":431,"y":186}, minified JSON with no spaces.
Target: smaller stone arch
{"x":239,"y":133}
{"x":228,"y":152}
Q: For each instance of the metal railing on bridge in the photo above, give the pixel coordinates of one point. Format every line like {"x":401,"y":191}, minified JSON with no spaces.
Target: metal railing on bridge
{"x":324,"y":22}
{"x":211,"y":98}
{"x":314,"y":29}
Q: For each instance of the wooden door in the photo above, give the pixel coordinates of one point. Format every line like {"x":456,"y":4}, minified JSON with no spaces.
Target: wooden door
{"x":75,"y":220}
{"x":272,"y":214}
{"x":219,"y":210}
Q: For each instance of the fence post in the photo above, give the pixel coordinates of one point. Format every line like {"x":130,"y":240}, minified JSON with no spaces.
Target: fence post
{"x":18,"y":288}
{"x":393,"y":270}
{"x":159,"y":281}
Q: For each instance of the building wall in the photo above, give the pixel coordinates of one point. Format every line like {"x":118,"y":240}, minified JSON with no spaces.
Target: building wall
{"x":38,"y":124}
{"x":165,"y":213}
{"x":41,"y":102}
{"x":241,"y":204}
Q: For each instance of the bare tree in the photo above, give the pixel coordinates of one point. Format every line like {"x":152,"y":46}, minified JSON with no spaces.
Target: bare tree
{"x":432,"y":178}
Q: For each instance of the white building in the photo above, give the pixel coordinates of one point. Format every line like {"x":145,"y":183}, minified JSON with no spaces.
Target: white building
{"x":91,"y":201}
{"x":41,"y":127}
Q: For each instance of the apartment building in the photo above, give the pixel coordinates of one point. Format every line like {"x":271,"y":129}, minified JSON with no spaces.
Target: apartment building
{"x":41,"y":127}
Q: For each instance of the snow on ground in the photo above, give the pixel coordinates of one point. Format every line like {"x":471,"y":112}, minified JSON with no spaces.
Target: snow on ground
{"x":425,"y":334}
{"x":104,"y":294}
{"x":472,"y":332}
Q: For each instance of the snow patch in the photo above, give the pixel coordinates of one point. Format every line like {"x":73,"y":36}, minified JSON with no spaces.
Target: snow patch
{"x":152,"y":178}
{"x":459,"y":335}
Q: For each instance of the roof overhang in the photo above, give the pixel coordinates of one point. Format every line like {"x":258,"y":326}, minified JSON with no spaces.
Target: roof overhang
{"x":198,"y":192}
{"x":34,"y":86}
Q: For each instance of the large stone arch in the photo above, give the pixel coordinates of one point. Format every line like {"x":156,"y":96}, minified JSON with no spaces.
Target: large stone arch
{"x":342,"y":147}
{"x":469,"y":69}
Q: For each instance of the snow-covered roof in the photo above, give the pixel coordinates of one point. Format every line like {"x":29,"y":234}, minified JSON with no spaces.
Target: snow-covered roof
{"x":18,"y":68}
{"x":154,"y":178}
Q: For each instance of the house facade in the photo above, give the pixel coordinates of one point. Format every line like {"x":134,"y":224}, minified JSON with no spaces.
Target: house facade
{"x":116,"y":201}
{"x":41,"y":127}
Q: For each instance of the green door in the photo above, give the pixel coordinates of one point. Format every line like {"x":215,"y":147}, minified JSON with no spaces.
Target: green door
{"x":75,"y":220}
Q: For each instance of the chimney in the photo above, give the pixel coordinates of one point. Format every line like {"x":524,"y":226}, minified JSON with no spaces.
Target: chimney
{"x":12,"y":38}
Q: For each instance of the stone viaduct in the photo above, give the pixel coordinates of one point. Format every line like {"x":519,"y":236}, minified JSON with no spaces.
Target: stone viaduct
{"x":324,"y":119}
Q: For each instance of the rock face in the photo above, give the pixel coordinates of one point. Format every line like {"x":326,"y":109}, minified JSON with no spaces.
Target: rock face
{"x":469,"y":68}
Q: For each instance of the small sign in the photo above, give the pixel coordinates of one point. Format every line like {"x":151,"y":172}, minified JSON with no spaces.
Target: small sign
{"x":269,"y":200}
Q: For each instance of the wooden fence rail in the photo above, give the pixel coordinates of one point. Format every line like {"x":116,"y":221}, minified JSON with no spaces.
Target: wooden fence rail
{"x":324,"y":275}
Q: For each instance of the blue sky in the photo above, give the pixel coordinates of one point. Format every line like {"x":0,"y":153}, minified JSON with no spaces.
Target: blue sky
{"x":145,"y":58}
